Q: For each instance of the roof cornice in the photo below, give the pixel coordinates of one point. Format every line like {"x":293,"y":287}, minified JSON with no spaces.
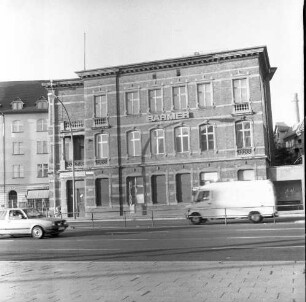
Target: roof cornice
{"x":198,"y":59}
{"x":69,"y":83}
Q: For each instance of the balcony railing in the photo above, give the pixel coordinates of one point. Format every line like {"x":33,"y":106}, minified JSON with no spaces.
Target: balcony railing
{"x":241,"y":108}
{"x":100,"y":122}
{"x":244,"y":151}
{"x":75,"y":125}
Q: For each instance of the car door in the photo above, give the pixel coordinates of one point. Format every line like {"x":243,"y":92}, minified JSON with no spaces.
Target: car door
{"x":18,"y":223}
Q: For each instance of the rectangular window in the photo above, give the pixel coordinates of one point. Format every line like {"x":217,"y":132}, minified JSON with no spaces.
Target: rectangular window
{"x":240,"y":91}
{"x":18,"y":171}
{"x":17,"y":126}
{"x":42,"y":147}
{"x":158,"y":141}
{"x":101,"y":106}
{"x":243,"y":135}
{"x":132,"y":102}
{"x":207,"y":138}
{"x":155,"y":100}
{"x":204,"y":94}
{"x":182,"y":139}
{"x":180,"y":98}
{"x":42,"y":170}
{"x":18,"y":148}
{"x":102,"y":146}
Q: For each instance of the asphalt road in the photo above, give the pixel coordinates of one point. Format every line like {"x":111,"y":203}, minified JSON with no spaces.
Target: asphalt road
{"x":210,"y":242}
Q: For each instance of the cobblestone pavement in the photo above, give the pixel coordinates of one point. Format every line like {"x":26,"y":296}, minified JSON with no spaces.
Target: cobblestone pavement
{"x":282,"y":281}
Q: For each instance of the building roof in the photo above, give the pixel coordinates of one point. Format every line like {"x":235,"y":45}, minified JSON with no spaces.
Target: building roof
{"x":28,"y":91}
{"x":153,"y":66}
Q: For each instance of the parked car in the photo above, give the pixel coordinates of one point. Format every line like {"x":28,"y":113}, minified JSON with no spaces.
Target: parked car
{"x":27,"y":221}
{"x":237,"y":199}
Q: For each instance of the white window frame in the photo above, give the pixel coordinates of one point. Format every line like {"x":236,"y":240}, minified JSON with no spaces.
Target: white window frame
{"x":18,"y":148}
{"x":134,"y":99}
{"x":134,"y":142}
{"x":240,"y":87}
{"x":42,"y":170}
{"x":180,"y":97}
{"x":205,"y":102}
{"x":101,"y":100}
{"x":102,"y":139}
{"x":155,"y":99}
{"x":42,"y":147}
{"x":243,"y":130}
{"x":41,"y":125}
{"x":17,"y":126}
{"x":181,"y":136}
{"x":42,"y":104}
{"x":206,"y":135}
{"x":18,"y":171}
{"x":159,"y":140}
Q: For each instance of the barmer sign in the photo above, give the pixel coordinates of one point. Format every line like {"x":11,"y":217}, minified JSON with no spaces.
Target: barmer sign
{"x":168,"y":116}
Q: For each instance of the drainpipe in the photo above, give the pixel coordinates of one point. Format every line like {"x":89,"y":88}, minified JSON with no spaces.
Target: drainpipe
{"x":3,"y":152}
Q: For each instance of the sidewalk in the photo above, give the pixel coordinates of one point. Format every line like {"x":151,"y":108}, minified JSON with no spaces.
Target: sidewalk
{"x":279,"y":281}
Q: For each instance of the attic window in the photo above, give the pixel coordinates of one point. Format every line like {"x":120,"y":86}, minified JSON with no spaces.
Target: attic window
{"x":17,"y":104}
{"x":42,"y":103}
{"x":178,"y":72}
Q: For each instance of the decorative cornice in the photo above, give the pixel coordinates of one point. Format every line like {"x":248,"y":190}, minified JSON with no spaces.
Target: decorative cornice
{"x":69,"y":83}
{"x":198,"y":59}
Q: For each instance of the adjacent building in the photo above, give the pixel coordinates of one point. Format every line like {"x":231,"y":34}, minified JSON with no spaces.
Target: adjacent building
{"x":142,"y":135}
{"x":24,"y":147}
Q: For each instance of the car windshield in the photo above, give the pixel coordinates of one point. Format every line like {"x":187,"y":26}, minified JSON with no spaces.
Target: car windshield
{"x":32,"y":213}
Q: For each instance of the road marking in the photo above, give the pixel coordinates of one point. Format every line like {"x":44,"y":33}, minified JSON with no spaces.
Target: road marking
{"x":123,"y":239}
{"x":256,"y":247}
{"x":274,"y":229}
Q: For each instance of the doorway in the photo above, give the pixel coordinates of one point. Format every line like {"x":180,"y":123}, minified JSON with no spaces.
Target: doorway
{"x":183,"y":187}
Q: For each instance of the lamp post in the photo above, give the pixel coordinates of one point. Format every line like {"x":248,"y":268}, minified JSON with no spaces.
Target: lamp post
{"x":3,"y":149}
{"x":72,"y":150}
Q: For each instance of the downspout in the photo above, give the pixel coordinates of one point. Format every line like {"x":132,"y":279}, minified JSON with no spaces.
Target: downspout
{"x":117,"y":75}
{"x":3,"y":148}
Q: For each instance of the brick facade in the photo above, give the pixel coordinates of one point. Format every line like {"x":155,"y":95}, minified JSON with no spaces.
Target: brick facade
{"x":150,"y":179}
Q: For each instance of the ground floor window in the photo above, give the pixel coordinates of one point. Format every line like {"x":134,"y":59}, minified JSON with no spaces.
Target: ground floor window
{"x":135,"y":190}
{"x":247,"y":174}
{"x":102,"y":192}
{"x":208,"y":177}
{"x":159,"y":189}
{"x":183,"y":187}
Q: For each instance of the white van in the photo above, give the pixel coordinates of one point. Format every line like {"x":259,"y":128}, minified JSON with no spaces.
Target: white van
{"x":236,"y":199}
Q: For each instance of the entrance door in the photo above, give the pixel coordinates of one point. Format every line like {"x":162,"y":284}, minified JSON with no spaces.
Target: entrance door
{"x":183,"y":187}
{"x":102,"y":192}
{"x":159,"y":193}
{"x":12,"y":199}
{"x":135,"y":190}
{"x":79,"y":198}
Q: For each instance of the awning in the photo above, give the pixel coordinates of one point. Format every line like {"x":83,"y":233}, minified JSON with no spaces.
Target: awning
{"x":38,"y":194}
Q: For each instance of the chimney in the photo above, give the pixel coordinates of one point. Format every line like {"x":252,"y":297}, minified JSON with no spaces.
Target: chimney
{"x":296,"y":108}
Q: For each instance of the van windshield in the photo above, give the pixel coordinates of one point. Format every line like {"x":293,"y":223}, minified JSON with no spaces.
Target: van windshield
{"x":202,"y":196}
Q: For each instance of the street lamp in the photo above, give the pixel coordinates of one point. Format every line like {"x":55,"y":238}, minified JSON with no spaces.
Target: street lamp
{"x":72,"y":150}
{"x":3,"y":148}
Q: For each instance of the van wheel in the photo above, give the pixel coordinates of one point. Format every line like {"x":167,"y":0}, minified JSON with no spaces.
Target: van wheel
{"x":37,"y":232}
{"x":255,"y":217}
{"x":195,"y":218}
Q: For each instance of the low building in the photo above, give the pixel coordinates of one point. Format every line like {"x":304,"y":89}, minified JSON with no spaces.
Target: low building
{"x":24,"y":145}
{"x":144,"y":134}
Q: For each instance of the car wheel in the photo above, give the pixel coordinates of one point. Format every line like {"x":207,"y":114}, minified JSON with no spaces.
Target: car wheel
{"x":255,"y":217}
{"x":37,"y":232}
{"x":195,"y":218}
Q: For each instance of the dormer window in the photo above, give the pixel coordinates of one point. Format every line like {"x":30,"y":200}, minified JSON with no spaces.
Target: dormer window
{"x":17,"y":104}
{"x":42,"y":103}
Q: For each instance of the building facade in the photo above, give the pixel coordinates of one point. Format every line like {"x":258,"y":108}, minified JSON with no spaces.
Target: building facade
{"x":145,"y":134}
{"x":24,"y":145}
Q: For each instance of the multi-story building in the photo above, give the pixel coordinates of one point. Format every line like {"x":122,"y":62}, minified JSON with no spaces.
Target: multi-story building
{"x":23,"y":145}
{"x":144,"y":134}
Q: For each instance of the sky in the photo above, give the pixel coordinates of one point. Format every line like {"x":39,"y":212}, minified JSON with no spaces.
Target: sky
{"x":44,"y":39}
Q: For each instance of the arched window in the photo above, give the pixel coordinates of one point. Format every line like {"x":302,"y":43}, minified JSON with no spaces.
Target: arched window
{"x":182,"y":139}
{"x":134,"y":143}
{"x":207,"y":140}
{"x":12,"y":199}
{"x":17,"y":126}
{"x":158,"y":141}
{"x":41,"y":125}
